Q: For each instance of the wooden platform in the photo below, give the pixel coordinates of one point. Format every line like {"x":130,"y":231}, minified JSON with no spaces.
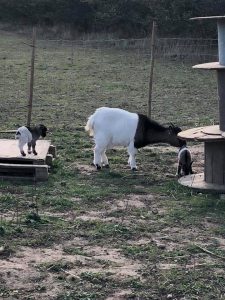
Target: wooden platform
{"x":203,"y":134}
{"x":197,"y":183}
{"x":33,"y":167}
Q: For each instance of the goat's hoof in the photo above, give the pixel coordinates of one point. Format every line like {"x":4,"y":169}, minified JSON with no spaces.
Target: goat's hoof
{"x":134,"y":169}
{"x":29,"y":152}
{"x":92,"y":164}
{"x":34,"y":152}
{"x":106,"y":166}
{"x":98,"y":167}
{"x":23,"y":153}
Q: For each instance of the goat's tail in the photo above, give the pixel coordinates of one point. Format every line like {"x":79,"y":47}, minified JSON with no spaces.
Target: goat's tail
{"x":90,"y":125}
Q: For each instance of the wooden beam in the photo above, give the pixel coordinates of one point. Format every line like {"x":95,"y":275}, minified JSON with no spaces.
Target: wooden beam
{"x":38,"y":172}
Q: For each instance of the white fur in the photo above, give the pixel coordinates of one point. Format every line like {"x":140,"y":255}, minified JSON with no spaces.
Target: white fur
{"x":24,"y":137}
{"x":112,"y":127}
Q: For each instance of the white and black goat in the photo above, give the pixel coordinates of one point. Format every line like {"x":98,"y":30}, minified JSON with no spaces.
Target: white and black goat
{"x":29,"y":135}
{"x":184,"y":162}
{"x":117,"y":127}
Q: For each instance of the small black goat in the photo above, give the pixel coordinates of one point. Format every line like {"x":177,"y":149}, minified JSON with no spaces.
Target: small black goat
{"x":29,"y":136}
{"x":184,"y":162}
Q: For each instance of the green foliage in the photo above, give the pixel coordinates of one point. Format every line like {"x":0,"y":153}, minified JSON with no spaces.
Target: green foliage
{"x":56,"y":266}
{"x":126,"y":17}
{"x":32,"y":218}
{"x":2,"y":230}
{"x":149,"y":251}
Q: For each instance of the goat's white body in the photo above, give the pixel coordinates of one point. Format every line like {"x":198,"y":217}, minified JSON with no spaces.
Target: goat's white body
{"x":112,"y":127}
{"x":24,"y":137}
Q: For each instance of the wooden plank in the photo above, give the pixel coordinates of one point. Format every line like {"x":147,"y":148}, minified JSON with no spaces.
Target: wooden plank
{"x":208,"y":18}
{"x":10,"y":171}
{"x":17,"y":178}
{"x":39,"y":172}
{"x":22,"y":166}
{"x":8,"y":131}
{"x":210,"y":66}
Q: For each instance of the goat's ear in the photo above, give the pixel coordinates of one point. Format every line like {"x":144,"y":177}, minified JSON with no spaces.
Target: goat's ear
{"x":171,"y":129}
{"x":175,"y":129}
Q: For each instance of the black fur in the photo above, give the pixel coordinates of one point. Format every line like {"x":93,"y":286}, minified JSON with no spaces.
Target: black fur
{"x":37,"y":132}
{"x":184,"y":163}
{"x":150,"y":132}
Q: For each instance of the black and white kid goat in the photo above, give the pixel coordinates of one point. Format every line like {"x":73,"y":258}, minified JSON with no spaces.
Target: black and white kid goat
{"x":29,"y":136}
{"x":184,"y":162}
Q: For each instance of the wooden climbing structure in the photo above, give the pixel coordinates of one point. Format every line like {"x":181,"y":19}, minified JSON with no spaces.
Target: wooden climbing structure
{"x":213,"y":137}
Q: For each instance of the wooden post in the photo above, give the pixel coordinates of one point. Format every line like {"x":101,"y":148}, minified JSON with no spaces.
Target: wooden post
{"x":72,"y":53}
{"x":149,"y":112}
{"x":30,"y":99}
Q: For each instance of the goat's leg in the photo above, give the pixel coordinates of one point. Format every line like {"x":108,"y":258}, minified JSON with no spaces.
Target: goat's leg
{"x":104,"y":160}
{"x":29,"y":147}
{"x":21,"y":144}
{"x":132,"y":151}
{"x":33,"y":144}
{"x":98,"y":150}
{"x":179,"y":170}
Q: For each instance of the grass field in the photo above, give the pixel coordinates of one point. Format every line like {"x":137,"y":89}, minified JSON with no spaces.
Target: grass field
{"x":112,"y":234}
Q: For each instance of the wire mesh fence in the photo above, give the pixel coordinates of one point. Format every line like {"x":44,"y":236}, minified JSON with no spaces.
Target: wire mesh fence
{"x":183,"y":49}
{"x":85,"y":74}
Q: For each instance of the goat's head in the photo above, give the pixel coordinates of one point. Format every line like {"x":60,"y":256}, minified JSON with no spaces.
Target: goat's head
{"x":43,"y":130}
{"x":173,"y":139}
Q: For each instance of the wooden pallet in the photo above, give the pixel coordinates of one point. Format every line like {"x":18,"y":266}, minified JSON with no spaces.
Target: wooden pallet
{"x":32,"y":167}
